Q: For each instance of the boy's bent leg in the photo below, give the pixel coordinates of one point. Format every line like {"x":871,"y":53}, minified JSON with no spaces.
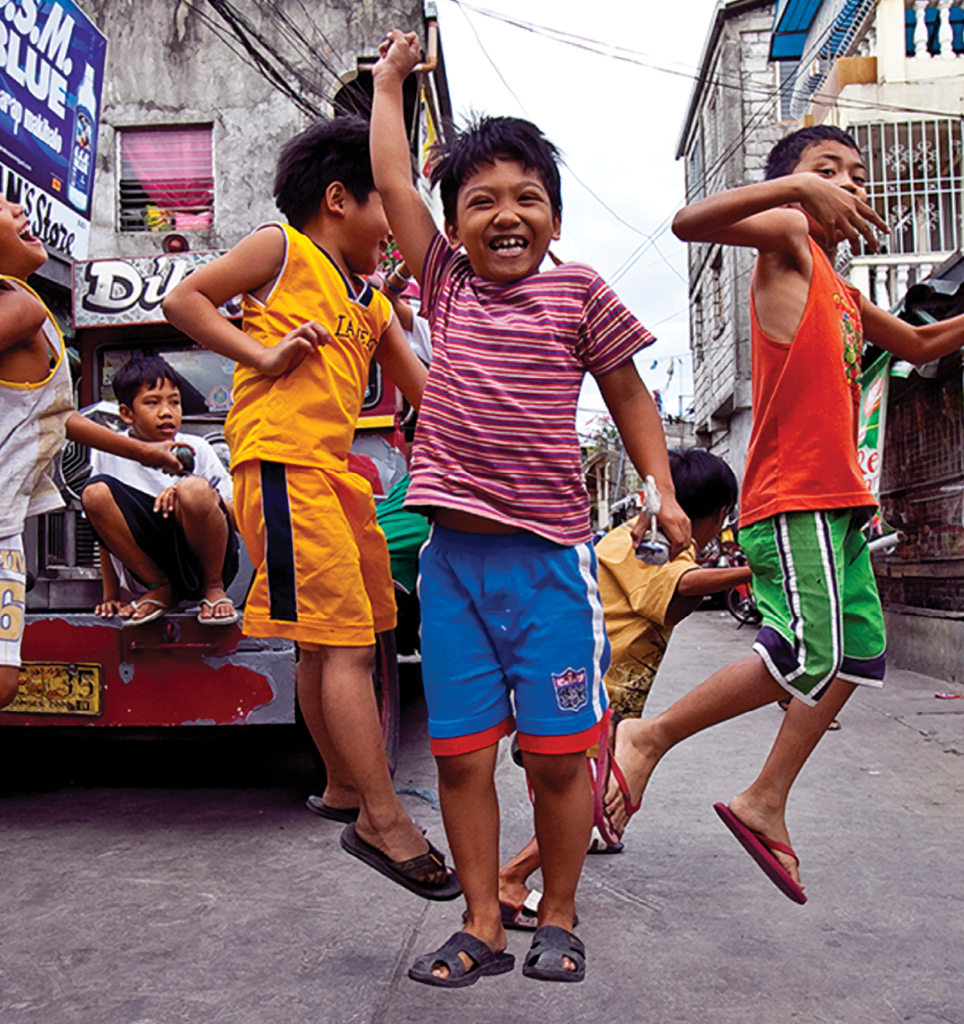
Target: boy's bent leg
{"x":641,"y":743}
{"x":513,"y":875}
{"x":762,"y":807}
{"x":9,"y":684}
{"x":335,"y":691}
{"x":206,"y":530}
{"x":114,"y":532}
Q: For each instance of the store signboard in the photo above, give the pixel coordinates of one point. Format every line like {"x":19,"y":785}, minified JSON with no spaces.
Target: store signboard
{"x":51,"y":73}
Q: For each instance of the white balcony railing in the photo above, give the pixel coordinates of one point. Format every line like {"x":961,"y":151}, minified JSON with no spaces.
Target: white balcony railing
{"x":885,"y":279}
{"x":935,"y":29}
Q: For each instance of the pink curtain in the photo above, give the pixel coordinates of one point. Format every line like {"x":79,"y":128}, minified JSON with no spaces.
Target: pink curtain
{"x":173,"y":165}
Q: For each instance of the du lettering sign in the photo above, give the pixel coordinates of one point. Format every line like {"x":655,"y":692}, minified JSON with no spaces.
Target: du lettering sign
{"x":51,"y":72}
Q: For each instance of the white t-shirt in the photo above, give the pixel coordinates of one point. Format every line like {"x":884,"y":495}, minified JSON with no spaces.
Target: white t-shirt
{"x":152,"y":481}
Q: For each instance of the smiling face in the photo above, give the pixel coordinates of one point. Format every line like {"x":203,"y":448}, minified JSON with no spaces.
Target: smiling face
{"x":840,"y":165}
{"x":156,"y":415}
{"x":504,"y":220}
{"x":21,"y":254}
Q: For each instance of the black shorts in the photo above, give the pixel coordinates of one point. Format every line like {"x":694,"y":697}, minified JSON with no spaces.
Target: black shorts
{"x":163,"y":540}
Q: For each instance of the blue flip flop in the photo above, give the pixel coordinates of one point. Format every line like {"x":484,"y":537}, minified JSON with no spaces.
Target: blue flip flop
{"x":486,"y":962}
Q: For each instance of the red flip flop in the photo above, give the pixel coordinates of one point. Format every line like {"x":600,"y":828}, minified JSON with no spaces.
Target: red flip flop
{"x":600,"y":772}
{"x":761,"y":848}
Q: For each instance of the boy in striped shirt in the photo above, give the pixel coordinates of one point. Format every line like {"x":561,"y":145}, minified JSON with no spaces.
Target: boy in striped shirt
{"x":508,"y":586}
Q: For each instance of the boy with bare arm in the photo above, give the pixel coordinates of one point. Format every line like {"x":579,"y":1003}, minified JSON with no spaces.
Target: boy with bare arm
{"x":509,"y":597}
{"x":36,"y":414}
{"x":312,"y":324}
{"x":804,"y":498}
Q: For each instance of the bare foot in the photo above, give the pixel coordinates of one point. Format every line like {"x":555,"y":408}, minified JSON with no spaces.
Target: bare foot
{"x":512,"y":892}
{"x":221,"y":606}
{"x":340,"y":798}
{"x":636,"y":752}
{"x":770,"y":823}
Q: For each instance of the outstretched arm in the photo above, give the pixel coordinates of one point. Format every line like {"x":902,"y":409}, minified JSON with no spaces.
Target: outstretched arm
{"x":411,"y":222}
{"x":917,"y":345}
{"x":253,"y":263}
{"x":757,"y":215}
{"x":156,"y":454}
{"x":635,"y":415}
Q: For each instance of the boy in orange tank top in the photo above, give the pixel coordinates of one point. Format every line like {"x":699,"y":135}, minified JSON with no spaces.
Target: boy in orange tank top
{"x":312,"y":323}
{"x":803,"y":497}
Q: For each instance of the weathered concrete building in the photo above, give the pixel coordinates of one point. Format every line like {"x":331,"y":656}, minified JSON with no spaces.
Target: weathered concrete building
{"x":730,"y":124}
{"x":892,"y":73}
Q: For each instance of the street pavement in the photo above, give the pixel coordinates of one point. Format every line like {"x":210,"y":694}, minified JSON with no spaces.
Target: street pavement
{"x":150,"y":883}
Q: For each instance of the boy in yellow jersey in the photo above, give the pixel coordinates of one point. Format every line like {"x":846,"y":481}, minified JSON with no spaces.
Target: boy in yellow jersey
{"x":311,"y":324}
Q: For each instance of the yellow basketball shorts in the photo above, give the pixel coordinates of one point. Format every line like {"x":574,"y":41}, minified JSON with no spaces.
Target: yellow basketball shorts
{"x":322,"y":572}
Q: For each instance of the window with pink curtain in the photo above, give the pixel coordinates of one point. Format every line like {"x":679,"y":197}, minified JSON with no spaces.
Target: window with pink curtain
{"x":166,"y":179}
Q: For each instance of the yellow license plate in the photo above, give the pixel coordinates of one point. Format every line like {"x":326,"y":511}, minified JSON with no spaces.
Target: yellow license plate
{"x":58,"y":688}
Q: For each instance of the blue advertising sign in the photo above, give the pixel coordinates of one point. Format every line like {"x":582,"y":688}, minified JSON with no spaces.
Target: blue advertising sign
{"x":51,"y":73}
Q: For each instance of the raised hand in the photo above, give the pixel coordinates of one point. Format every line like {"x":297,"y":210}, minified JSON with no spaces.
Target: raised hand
{"x":839,"y":212}
{"x":400,"y":51}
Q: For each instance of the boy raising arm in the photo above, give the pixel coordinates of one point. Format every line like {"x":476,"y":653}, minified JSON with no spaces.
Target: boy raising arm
{"x":311,"y":326}
{"x":508,"y":591}
{"x":804,"y":498}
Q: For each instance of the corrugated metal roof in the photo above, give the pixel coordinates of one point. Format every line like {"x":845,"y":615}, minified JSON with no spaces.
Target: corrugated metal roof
{"x":791,"y":23}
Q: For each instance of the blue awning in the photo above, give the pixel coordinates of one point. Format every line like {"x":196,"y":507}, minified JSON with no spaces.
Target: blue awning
{"x":791,"y":23}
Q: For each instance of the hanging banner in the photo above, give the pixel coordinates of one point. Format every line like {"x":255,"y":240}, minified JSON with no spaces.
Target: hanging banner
{"x":871,"y":424}
{"x":51,"y":73}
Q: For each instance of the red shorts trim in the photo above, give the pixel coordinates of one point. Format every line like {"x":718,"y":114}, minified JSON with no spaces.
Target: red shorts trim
{"x":574,"y":743}
{"x":449,"y":746}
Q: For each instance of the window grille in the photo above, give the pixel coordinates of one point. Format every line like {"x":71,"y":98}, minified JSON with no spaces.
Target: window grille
{"x":166,"y":181}
{"x":716,"y":280}
{"x":914,"y":181}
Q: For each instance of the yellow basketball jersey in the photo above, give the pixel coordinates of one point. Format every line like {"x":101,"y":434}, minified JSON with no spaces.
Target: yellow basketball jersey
{"x":306,"y":417}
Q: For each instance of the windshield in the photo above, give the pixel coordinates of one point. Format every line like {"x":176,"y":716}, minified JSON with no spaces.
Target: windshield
{"x":207,"y":376}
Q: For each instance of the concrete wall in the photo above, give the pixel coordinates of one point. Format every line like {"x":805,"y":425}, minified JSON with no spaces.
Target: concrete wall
{"x":931,"y":645}
{"x":167,"y":66}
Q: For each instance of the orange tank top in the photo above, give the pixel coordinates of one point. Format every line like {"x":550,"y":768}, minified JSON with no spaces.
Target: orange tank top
{"x":306,"y":417}
{"x":806,"y":395}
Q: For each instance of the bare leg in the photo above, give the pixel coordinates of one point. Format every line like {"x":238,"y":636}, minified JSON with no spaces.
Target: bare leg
{"x":514,"y":874}
{"x":198,"y":511}
{"x":110,"y":524}
{"x":763,"y":805}
{"x":338,"y":703}
{"x":641,"y":743}
{"x":470,"y":809}
{"x":563,"y":815}
{"x":9,"y":684}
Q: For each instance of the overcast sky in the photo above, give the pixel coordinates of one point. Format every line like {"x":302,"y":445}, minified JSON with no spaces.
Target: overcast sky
{"x":616,"y":122}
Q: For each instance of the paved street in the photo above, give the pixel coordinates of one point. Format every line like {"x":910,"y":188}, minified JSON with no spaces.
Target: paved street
{"x":175,"y":886}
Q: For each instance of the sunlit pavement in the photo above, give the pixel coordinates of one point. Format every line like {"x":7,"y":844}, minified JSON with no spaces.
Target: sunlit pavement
{"x":225,"y":901}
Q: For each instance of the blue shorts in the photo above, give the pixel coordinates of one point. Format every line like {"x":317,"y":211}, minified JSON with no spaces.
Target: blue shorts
{"x":512,"y":615}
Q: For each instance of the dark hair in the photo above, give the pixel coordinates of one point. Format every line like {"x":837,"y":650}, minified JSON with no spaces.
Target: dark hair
{"x":483,"y":141}
{"x":328,"y":151}
{"x":704,"y":483}
{"x":139,"y":370}
{"x":786,"y":154}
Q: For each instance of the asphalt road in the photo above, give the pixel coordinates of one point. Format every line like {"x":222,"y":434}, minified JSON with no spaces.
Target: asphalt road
{"x":153,"y":881}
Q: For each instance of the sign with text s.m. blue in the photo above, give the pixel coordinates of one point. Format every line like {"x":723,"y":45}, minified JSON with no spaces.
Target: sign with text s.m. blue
{"x":51,"y":72}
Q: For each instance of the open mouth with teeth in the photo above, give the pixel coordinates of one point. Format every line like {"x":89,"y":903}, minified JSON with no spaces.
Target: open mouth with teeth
{"x":509,"y":245}
{"x":26,"y":235}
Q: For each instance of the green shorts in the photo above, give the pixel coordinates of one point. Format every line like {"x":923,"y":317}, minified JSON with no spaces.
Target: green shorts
{"x":815,"y":588}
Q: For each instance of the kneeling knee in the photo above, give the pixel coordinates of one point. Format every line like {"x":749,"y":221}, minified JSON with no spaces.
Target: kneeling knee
{"x":9,"y":683}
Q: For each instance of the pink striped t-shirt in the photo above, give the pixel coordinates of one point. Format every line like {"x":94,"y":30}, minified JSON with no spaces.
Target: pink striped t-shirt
{"x":496,"y":432}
